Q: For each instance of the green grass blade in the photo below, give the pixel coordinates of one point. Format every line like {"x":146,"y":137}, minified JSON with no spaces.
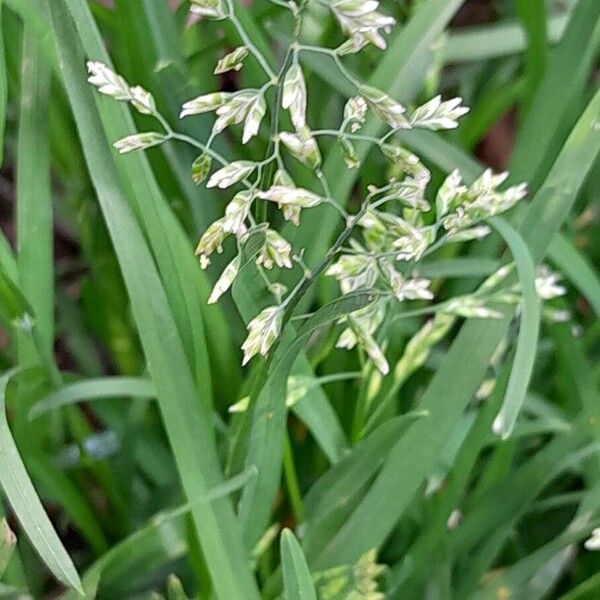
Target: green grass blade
{"x":188,"y":422}
{"x":26,"y":505}
{"x":476,"y":43}
{"x":56,"y":487}
{"x":532,"y":14}
{"x":314,"y":409}
{"x":565,"y":255}
{"x":297,"y":582}
{"x":3,"y":89}
{"x":152,"y":547}
{"x":490,"y":522}
{"x":585,"y":590}
{"x":580,"y":375}
{"x":8,"y":262}
{"x":94,"y":389}
{"x":465,"y":266}
{"x":186,"y":286}
{"x":552,"y":203}
{"x":554,"y":108}
{"x":34,"y":200}
{"x":529,"y":329}
{"x":184,"y":282}
{"x":330,"y":500}
{"x":522,"y":576}
{"x":268,"y":427}
{"x":496,"y":102}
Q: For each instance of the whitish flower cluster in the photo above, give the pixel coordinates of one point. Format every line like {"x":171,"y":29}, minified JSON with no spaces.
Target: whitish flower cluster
{"x":362,"y":22}
{"x":113,"y":85}
{"x":399,"y":222}
{"x":359,"y":581}
{"x":396,"y":239}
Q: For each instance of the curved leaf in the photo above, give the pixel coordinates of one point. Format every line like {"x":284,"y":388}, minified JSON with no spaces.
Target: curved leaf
{"x":297,"y":582}
{"x":529,"y":329}
{"x":27,"y":506}
{"x":94,"y":389}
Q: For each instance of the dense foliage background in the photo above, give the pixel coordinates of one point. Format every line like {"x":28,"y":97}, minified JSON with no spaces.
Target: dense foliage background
{"x":118,"y":377}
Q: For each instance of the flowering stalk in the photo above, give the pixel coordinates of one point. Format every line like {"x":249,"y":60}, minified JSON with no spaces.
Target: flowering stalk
{"x":399,"y":222}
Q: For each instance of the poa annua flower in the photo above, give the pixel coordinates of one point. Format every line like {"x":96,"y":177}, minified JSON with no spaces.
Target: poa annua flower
{"x":488,"y":182}
{"x":362,"y":325}
{"x":201,"y":168}
{"x":231,"y":173}
{"x":290,"y":212}
{"x":408,"y":162}
{"x":361,"y":21}
{"x":374,"y":352}
{"x":212,"y":9}
{"x":495,"y":279}
{"x":349,"y":153}
{"x":263,"y":330}
{"x":385,"y":107}
{"x":355,"y":112}
{"x":593,"y":542}
{"x":406,"y":289}
{"x":451,"y":189}
{"x":236,"y":213}
{"x":226,"y":280}
{"x":413,"y":242}
{"x":234,"y":110}
{"x":465,"y":207}
{"x":247,"y":105}
{"x":419,"y":346}
{"x":254,"y":117}
{"x":302,"y":147}
{"x":465,"y":235}
{"x":368,"y":318}
{"x":375,"y":232}
{"x":414,"y":289}
{"x":276,"y":251}
{"x":211,"y":240}
{"x":139,"y":141}
{"x":547,"y":284}
{"x":354,"y":271}
{"x":436,"y":114}
{"x":411,"y":191}
{"x":205,"y":103}
{"x":233,"y":61}
{"x":107,"y":81}
{"x":292,"y":196}
{"x":142,"y":100}
{"x":471,"y":307}
{"x":113,"y":85}
{"x":294,"y":96}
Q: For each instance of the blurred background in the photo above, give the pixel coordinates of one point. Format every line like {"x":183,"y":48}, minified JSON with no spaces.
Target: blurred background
{"x":104,"y":469}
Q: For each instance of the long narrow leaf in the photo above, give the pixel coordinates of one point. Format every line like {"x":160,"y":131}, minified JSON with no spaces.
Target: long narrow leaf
{"x":3,"y":89}
{"x":93,"y":389}
{"x":528,"y":331}
{"x":27,"y":507}
{"x":577,"y":268}
{"x":297,"y":582}
{"x":34,"y":201}
{"x":269,"y":416}
{"x":187,"y":421}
